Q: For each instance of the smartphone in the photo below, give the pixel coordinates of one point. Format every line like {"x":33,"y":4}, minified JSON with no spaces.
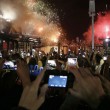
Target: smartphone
{"x":57,"y":81}
{"x":51,"y":64}
{"x":9,"y":65}
{"x":72,"y":61}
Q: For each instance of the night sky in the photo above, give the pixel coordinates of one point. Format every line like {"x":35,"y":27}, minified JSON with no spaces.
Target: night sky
{"x":74,"y":16}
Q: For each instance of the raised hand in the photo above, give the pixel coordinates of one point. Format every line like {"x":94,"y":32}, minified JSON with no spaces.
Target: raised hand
{"x":86,"y":86}
{"x":23,"y":72}
{"x":30,"y":98}
{"x":105,"y":84}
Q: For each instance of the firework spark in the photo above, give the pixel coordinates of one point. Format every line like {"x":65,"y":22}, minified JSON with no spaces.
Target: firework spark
{"x":30,"y":17}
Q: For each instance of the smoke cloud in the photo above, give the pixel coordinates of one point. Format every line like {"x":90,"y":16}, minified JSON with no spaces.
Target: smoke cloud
{"x":101,"y":28}
{"x":28,"y":17}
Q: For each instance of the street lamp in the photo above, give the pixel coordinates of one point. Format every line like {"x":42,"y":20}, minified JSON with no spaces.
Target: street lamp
{"x":92,"y":14}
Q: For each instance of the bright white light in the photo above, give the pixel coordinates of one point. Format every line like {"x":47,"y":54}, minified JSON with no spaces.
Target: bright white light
{"x":106,"y":40}
{"x":10,"y":63}
{"x":28,"y":54}
{"x":30,"y":38}
{"x":54,"y":39}
{"x":1,"y":16}
{"x":33,"y":50}
{"x":107,"y":29}
{"x":59,"y":33}
{"x":8,"y":13}
{"x":40,"y":29}
{"x":107,"y":36}
{"x":9,"y":16}
{"x":8,"y":20}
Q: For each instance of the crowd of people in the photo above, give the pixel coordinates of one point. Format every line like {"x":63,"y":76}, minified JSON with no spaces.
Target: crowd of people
{"x":87,"y":88}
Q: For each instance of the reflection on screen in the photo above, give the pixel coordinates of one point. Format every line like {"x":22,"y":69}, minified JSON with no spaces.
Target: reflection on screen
{"x":57,"y":81}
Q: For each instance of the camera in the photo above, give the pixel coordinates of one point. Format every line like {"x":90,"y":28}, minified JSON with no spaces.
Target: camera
{"x":57,"y":81}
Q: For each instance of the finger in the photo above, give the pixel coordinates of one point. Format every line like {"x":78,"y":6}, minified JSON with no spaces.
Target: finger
{"x":18,"y":62}
{"x":88,"y":72}
{"x":41,"y":97}
{"x":97,"y":80}
{"x":105,"y":83}
{"x":43,"y":91}
{"x":23,"y":95}
{"x":22,"y":64}
{"x":23,"y":73}
{"x":19,"y":65}
{"x":26,"y":82}
{"x":40,"y":76}
{"x":75,"y":93}
{"x":104,"y":80}
{"x":83,"y":72}
{"x":75,"y":72}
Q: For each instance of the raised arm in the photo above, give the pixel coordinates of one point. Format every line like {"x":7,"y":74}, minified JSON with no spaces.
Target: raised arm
{"x":30,"y":98}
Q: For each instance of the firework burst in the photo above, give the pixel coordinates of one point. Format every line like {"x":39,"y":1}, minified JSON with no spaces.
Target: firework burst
{"x":34,"y":18}
{"x":101,"y":28}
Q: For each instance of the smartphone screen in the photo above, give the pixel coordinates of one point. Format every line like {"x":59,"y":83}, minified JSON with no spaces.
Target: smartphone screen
{"x":57,"y":81}
{"x":9,"y":65}
{"x":51,"y":64}
{"x":72,"y":61}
